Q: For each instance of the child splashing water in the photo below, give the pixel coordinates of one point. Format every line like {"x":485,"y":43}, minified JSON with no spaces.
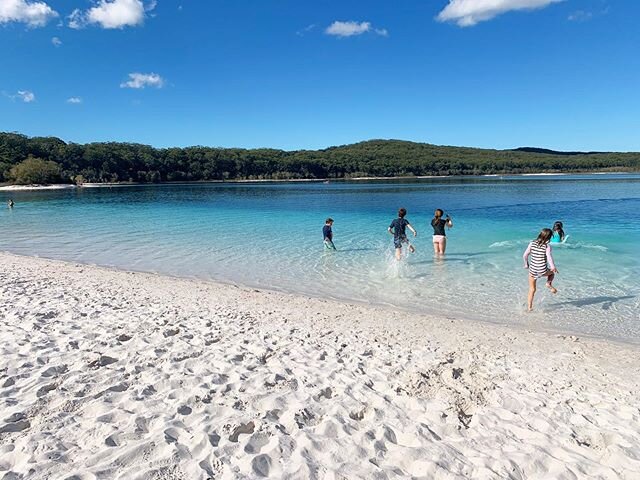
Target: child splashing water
{"x":538,"y":259}
{"x":398,"y":230}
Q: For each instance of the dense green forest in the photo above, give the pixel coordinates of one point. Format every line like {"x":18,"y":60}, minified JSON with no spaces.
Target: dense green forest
{"x":130,"y":162}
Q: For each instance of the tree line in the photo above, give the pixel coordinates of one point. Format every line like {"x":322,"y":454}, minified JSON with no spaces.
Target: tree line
{"x":50,"y":159}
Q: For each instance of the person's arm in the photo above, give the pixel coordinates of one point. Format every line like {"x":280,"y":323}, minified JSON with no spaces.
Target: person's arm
{"x":449,"y":222}
{"x":525,"y":257}
{"x":552,"y":265}
{"x":390,"y":231}
{"x":415,"y":234}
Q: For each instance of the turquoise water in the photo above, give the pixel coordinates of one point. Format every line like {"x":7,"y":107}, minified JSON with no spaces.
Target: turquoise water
{"x":269,"y":235}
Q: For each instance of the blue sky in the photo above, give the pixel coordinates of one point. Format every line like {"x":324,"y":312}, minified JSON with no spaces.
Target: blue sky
{"x":562,"y":74}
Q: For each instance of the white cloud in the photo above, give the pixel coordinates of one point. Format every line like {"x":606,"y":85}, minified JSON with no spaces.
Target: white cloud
{"x":466,"y":13}
{"x":112,"y":14}
{"x":142,"y":80}
{"x":34,"y":14}
{"x":26,"y":96}
{"x":349,"y":29}
{"x":74,"y":100}
{"x":56,"y":41}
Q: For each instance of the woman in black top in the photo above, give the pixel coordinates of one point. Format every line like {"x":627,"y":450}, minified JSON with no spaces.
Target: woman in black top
{"x":439,"y":235}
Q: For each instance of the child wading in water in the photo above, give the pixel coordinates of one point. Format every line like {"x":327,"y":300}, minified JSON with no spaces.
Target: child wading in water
{"x":558,"y":233}
{"x":439,"y":235}
{"x":398,"y":230}
{"x":537,"y":258}
{"x":327,"y":233}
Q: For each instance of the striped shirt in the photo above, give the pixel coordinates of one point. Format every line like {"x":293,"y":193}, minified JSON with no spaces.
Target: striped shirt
{"x":539,"y":259}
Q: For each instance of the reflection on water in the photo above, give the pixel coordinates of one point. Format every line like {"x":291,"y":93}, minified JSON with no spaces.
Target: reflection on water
{"x":269,"y":235}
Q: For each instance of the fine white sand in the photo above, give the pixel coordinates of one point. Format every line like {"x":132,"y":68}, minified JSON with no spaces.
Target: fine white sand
{"x":18,"y":188}
{"x":107,"y":374}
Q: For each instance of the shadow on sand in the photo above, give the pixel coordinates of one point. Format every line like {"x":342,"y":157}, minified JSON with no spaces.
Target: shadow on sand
{"x":607,"y":302}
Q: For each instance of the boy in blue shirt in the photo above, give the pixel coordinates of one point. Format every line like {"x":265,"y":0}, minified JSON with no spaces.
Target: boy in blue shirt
{"x":398,"y":230}
{"x":327,"y":234}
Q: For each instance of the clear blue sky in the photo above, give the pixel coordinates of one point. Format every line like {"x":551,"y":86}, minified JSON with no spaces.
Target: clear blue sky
{"x":564,"y":75}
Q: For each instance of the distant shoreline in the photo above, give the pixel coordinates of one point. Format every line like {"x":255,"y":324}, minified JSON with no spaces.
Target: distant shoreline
{"x":68,"y":186}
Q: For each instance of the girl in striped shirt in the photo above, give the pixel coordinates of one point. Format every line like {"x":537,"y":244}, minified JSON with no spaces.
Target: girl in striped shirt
{"x":537,"y":258}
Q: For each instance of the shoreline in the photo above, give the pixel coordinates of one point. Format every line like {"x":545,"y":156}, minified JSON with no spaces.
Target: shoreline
{"x":464,"y":317}
{"x":17,"y":188}
{"x":136,"y":375}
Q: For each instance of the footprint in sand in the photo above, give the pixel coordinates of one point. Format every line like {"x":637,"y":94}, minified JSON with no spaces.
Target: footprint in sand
{"x":102,"y":361}
{"x":121,"y":387}
{"x":256,"y":442}
{"x":214,"y":439}
{"x":171,"y":435}
{"x":9,"y":382}
{"x":243,"y":428}
{"x":112,"y":440}
{"x":261,"y":465}
{"x":55,"y":371}
{"x":14,"y":427}
{"x":42,"y":391}
{"x":324,"y":393}
{"x":185,"y":410}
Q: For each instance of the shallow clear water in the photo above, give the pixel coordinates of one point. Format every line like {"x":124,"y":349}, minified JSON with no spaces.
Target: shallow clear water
{"x":269,"y":235}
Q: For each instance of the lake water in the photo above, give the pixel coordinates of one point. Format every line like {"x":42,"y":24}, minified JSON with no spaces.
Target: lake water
{"x":270,"y":235}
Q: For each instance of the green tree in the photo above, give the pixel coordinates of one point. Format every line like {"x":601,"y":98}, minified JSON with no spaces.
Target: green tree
{"x":35,"y":170}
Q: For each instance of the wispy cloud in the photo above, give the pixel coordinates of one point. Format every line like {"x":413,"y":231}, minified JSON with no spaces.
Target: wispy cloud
{"x":466,"y":13}
{"x":350,"y":29}
{"x":26,"y":96}
{"x":112,"y":14}
{"x":34,"y":14}
{"x":306,"y":30}
{"x":74,"y":100}
{"x":580,"y":16}
{"x":142,"y":80}
{"x":56,"y":41}
{"x":586,"y":15}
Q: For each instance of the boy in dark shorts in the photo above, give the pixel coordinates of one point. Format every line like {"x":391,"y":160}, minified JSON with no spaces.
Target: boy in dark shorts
{"x":398,"y":230}
{"x":327,"y":233}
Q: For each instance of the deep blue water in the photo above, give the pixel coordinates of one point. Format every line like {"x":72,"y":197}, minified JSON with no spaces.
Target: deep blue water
{"x":269,"y":235}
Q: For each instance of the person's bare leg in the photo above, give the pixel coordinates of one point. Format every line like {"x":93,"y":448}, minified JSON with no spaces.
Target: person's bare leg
{"x":398,"y":253}
{"x":532,"y":292}
{"x":412,"y":249}
{"x":549,"y":285}
{"x":443,"y":245}
{"x":436,"y":248}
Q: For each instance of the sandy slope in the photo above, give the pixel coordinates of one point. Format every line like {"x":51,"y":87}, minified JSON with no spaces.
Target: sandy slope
{"x":107,"y":374}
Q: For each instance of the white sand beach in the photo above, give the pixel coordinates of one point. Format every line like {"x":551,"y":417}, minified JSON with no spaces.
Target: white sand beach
{"x":107,"y":374}
{"x":21,"y":188}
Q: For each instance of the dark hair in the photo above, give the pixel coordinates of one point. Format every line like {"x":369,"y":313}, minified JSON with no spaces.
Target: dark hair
{"x":557,"y":227}
{"x":402,"y":212}
{"x":437,"y":217}
{"x":329,"y":220}
{"x":544,"y":236}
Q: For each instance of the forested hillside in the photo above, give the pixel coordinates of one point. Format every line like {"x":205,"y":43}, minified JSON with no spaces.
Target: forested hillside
{"x":129,"y":162}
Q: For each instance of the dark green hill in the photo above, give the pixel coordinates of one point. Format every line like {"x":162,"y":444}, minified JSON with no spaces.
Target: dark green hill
{"x":129,"y":162}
